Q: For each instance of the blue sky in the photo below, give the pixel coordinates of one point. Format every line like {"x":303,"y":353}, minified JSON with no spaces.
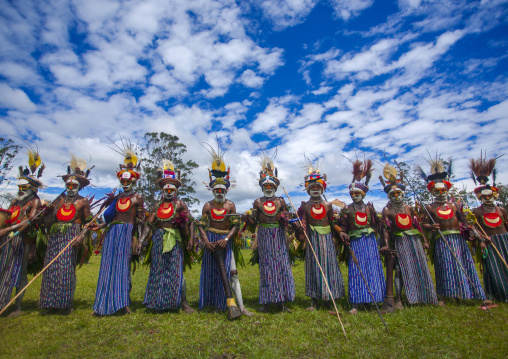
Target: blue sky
{"x":318,"y":77}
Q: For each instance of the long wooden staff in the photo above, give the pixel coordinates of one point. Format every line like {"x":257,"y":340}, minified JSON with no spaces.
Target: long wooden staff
{"x":319,"y":264}
{"x":483,"y":231}
{"x":54,"y":259}
{"x":445,"y":241}
{"x":31,"y":220}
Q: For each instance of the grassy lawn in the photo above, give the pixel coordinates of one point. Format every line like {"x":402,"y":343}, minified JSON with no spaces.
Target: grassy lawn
{"x":456,"y":331}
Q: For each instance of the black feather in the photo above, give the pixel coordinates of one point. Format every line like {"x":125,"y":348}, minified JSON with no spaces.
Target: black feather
{"x":474,"y":178}
{"x":494,"y":172}
{"x":20,"y":168}
{"x":422,"y":173}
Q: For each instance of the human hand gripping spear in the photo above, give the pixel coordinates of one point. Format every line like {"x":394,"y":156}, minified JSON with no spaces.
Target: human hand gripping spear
{"x":445,"y":241}
{"x":472,"y":218}
{"x":319,"y":264}
{"x":85,"y":228}
{"x":25,"y":223}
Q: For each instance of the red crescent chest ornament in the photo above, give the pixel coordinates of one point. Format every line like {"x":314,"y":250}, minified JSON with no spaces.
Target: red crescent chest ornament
{"x":445,"y":212}
{"x":492,"y":220}
{"x":318,"y":211}
{"x":403,"y":221}
{"x":361,"y":219}
{"x":15,"y":212}
{"x":165,"y":210}
{"x":269,"y":208}
{"x":218,"y":214}
{"x":66,"y":212}
{"x":123,"y":204}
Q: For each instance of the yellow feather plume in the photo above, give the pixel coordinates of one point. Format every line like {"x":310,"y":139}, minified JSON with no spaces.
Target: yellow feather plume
{"x":167,"y":165}
{"x":390,"y":172}
{"x":217,"y":162}
{"x":131,"y":160}
{"x":34,"y":160}
{"x":78,"y":163}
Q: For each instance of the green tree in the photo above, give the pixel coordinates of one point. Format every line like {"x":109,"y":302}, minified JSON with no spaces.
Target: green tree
{"x":502,"y":200}
{"x":159,"y":146}
{"x":8,"y":150}
{"x":416,"y":186}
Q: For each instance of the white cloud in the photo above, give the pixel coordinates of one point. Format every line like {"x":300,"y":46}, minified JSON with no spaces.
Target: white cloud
{"x":15,"y":99}
{"x":346,"y":9}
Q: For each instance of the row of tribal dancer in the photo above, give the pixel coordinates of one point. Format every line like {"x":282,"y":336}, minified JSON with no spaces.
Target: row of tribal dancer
{"x":167,"y":235}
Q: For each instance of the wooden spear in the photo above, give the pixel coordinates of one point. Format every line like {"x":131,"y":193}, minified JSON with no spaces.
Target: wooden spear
{"x":319,"y":264}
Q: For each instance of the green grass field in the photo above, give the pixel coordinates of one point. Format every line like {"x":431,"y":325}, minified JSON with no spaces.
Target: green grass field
{"x":456,"y":331}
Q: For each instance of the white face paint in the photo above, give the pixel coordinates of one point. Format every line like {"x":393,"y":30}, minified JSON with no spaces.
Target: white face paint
{"x":169,"y":191}
{"x":72,"y":192}
{"x":356,"y":196}
{"x":396,"y":196}
{"x":23,"y":194}
{"x":269,"y":190}
{"x":315,"y":191}
{"x":441,"y":195}
{"x":487,"y":199}
{"x":219,"y":195}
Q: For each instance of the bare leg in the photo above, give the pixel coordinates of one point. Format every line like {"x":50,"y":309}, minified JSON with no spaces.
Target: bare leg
{"x":236,"y":288}
{"x":283,"y":308}
{"x":398,"y":286}
{"x":389,"y":303}
{"x":186,"y":308}
{"x":313,"y":304}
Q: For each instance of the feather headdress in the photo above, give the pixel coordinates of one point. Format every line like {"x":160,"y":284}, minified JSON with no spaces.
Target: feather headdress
{"x":168,"y":175}
{"x":219,"y":173}
{"x":439,"y":176}
{"x":268,"y":173}
{"x":392,"y":182}
{"x":34,"y":161}
{"x":481,"y":169}
{"x":76,"y":171}
{"x":314,"y":174}
{"x":130,"y":166}
{"x":361,"y":170}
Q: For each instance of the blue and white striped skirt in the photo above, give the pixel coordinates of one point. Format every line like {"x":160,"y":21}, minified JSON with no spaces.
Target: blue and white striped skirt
{"x":11,"y":258}
{"x":59,"y":280}
{"x":367,"y":253}
{"x":416,"y":276}
{"x":114,"y":283}
{"x":164,"y":287}
{"x":276,"y":277}
{"x":211,"y":289}
{"x":451,"y":282}
{"x":315,"y":286}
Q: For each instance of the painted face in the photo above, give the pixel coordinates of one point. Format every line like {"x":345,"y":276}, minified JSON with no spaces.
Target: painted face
{"x":487,"y":199}
{"x":315,"y":190}
{"x":72,"y":189}
{"x":396,"y":196}
{"x":169,"y":191}
{"x":356,"y":196}
{"x":440,"y":194}
{"x":127,"y":184}
{"x":24,"y":190}
{"x":269,"y":190}
{"x":219,"y":194}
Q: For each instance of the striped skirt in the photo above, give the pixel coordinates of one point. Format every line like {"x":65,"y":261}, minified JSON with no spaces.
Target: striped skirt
{"x":416,"y":276}
{"x":495,"y":274}
{"x":11,"y":258}
{"x":315,"y":286}
{"x":211,"y":289}
{"x":451,"y":282}
{"x":164,"y":288}
{"x":59,"y":280}
{"x":276,"y":282}
{"x":367,"y":253}
{"x":114,"y":283}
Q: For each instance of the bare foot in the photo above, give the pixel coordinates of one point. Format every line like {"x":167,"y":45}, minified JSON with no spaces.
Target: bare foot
{"x":399,"y":305}
{"x":66,"y":311}
{"x":488,"y":302}
{"x":353,"y":311}
{"x":311,"y":309}
{"x":441,"y":303}
{"x":14,"y":314}
{"x":127,"y":310}
{"x":264,"y":308}
{"x":187,"y":309}
{"x":283,"y":308}
{"x":247,"y":313}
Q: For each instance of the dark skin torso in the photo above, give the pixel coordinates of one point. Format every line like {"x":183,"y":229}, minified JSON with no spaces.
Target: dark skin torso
{"x":220,"y":225}
{"x":478,"y":212}
{"x":262,"y":216}
{"x":129,"y":216}
{"x":179,"y":206}
{"x":82,"y":206}
{"x":307,"y":206}
{"x":439,"y":223}
{"x":351,"y":222}
{"x":27,"y":211}
{"x":390,"y":213}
